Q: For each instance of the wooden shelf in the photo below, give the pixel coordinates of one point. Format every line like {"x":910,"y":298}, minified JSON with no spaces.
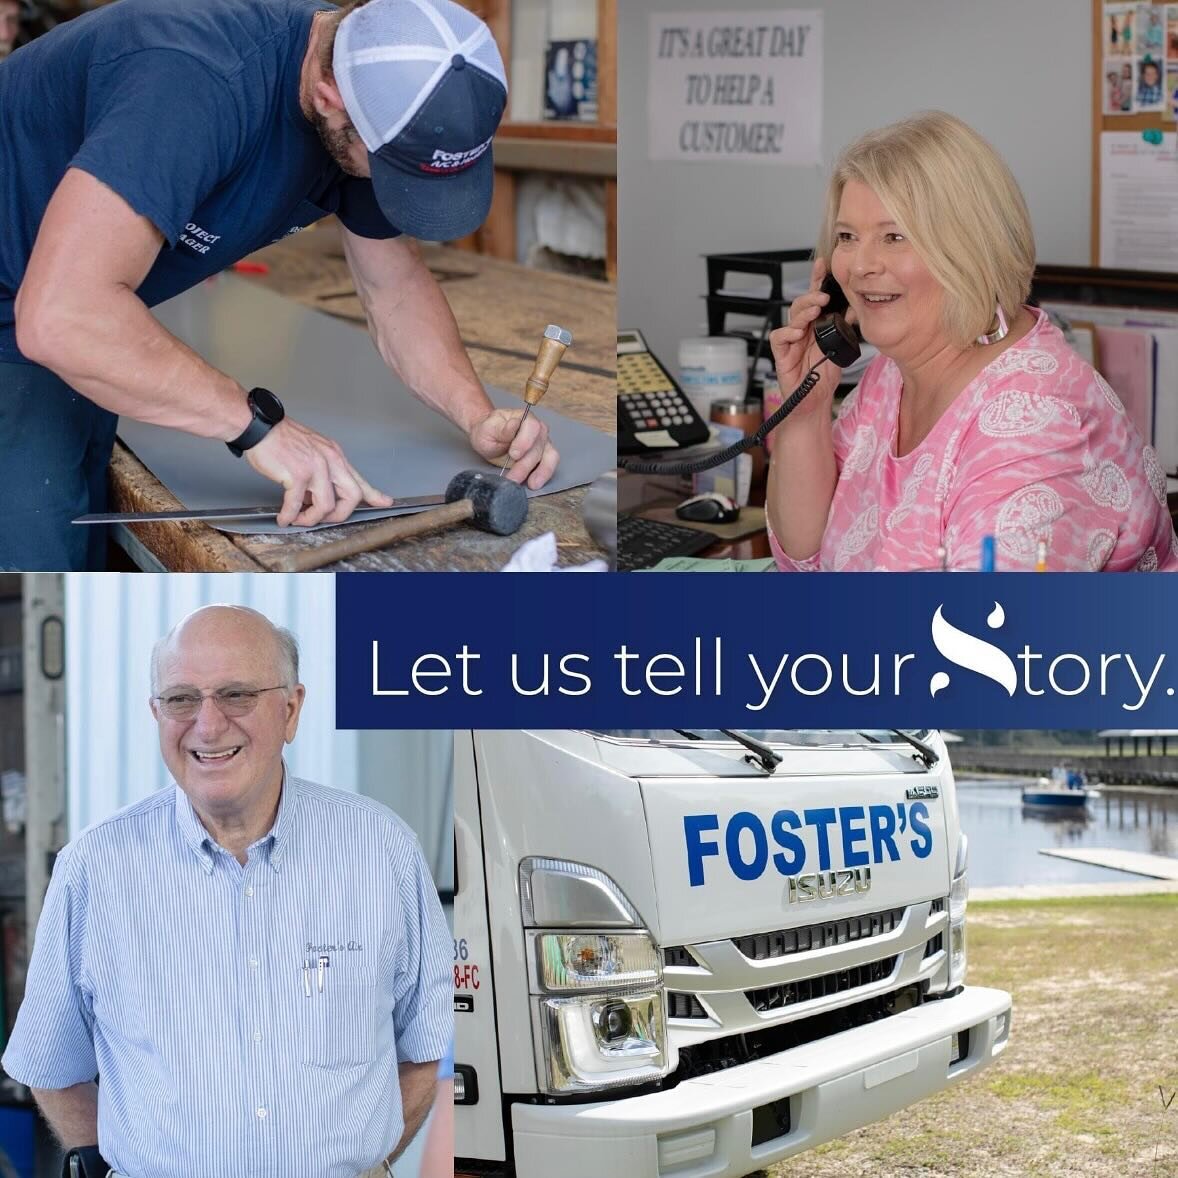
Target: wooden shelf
{"x":561,"y":156}
{"x":568,"y":131}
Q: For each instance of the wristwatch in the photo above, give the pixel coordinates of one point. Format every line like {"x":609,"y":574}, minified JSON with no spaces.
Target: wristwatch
{"x":267,"y":412}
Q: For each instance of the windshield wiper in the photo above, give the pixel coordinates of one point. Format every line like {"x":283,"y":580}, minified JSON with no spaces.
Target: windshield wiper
{"x":766,"y":757}
{"x":688,"y":733}
{"x":927,"y":753}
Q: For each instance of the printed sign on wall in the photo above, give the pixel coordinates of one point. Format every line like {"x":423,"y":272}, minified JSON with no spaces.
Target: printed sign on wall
{"x":740,"y":87}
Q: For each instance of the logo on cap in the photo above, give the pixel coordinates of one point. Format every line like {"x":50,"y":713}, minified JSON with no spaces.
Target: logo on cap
{"x":454,"y":161}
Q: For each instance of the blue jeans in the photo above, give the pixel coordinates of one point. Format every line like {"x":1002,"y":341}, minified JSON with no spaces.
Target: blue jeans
{"x":55,"y":447}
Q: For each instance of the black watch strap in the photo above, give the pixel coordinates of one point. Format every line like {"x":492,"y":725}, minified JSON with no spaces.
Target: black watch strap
{"x":267,"y":412}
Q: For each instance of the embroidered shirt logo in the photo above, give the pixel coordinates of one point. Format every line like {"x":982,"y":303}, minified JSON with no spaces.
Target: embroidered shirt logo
{"x":198,"y":239}
{"x":289,"y":233}
{"x":337,"y":947}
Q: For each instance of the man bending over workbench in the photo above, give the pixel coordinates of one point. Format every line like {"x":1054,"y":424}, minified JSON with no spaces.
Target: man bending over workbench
{"x":152,"y":143}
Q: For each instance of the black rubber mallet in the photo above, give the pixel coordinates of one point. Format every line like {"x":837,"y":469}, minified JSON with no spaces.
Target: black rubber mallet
{"x":491,"y":503}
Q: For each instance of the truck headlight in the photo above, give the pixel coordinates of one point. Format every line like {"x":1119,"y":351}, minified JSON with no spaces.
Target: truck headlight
{"x":600,"y":1040}
{"x":580,"y":961}
{"x":597,"y":991}
{"x":958,"y":901}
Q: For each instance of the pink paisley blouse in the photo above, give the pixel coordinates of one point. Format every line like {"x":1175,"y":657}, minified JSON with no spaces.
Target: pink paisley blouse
{"x":1036,"y":447}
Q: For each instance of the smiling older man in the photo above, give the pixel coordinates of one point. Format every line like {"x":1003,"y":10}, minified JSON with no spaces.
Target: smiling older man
{"x":254,"y":967}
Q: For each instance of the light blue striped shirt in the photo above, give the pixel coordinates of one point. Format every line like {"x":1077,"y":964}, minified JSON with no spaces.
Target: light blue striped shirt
{"x":176,"y":976}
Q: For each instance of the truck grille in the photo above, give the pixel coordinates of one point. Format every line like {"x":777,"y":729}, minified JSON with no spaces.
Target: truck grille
{"x":684,"y":1006}
{"x":731,"y":1050}
{"x":783,"y":942}
{"x":807,"y":989}
{"x":742,"y":984}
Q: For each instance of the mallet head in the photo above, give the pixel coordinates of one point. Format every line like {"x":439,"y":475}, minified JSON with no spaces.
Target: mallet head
{"x":500,"y":506}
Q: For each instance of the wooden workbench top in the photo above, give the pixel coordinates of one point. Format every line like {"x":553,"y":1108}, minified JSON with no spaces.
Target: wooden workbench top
{"x":501,"y":310}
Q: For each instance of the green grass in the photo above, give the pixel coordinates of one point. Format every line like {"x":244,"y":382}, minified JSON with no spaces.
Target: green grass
{"x":1076,"y":1093}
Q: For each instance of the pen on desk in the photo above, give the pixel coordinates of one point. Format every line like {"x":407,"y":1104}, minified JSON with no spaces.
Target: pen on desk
{"x":324,"y":962}
{"x":987,"y":554}
{"x":306,"y":977}
{"x":1041,"y":557}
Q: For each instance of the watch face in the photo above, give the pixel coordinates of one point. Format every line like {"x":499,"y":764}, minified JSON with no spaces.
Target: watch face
{"x":268,"y":405}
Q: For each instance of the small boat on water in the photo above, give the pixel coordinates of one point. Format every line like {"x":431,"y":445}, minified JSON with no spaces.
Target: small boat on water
{"x":1065,"y":788}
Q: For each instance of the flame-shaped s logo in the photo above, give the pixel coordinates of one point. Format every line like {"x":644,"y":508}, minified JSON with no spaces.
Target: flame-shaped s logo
{"x":964,"y":650}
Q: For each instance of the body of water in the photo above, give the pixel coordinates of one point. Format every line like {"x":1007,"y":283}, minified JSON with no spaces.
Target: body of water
{"x":1005,"y":837}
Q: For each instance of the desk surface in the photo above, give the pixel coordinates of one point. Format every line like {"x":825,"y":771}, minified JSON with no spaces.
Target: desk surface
{"x":501,"y":310}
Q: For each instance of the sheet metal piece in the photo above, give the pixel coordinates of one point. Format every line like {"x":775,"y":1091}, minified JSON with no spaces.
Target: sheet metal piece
{"x":212,"y":514}
{"x":331,"y":378}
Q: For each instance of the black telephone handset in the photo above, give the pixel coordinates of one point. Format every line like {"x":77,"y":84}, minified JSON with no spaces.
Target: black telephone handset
{"x":838,"y":342}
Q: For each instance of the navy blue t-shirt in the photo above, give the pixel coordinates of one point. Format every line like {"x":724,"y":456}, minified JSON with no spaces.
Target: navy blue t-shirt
{"x":190,"y":112}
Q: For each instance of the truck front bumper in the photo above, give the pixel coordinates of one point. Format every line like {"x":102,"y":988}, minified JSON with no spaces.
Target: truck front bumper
{"x":703,"y":1128}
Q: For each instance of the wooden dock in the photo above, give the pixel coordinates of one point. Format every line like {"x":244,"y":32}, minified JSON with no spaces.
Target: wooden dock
{"x":1135,"y":862}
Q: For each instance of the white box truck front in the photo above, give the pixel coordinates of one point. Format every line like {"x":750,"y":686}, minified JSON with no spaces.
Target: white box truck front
{"x":697,"y":961}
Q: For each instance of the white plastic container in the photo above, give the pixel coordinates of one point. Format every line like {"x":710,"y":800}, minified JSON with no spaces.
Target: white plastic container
{"x":711,"y":369}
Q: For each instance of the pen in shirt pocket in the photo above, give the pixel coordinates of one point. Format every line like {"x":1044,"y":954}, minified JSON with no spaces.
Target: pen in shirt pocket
{"x":324,"y":965}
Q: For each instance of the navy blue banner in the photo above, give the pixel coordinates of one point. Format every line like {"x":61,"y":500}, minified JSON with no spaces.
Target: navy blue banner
{"x":692,"y":650}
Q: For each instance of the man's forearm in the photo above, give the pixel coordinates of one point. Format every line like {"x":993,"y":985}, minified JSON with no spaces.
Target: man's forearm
{"x":416,"y":334}
{"x":72,"y":1113}
{"x":116,"y":353}
{"x":419,"y":1085}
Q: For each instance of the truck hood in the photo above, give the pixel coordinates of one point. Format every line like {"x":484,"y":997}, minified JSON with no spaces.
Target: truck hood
{"x":743,"y":855}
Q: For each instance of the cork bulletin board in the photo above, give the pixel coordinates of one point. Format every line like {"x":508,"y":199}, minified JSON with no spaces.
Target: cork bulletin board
{"x":1141,"y":135}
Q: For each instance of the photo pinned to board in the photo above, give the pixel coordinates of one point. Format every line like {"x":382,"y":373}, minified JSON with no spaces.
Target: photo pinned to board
{"x":1172,"y":32}
{"x":1119,"y":21}
{"x":1170,"y":114}
{"x":1150,"y":94}
{"x":1118,"y":86}
{"x":1150,"y":35}
{"x":1119,"y":78}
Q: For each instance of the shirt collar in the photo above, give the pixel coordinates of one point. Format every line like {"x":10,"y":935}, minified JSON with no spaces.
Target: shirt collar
{"x":274,"y":844}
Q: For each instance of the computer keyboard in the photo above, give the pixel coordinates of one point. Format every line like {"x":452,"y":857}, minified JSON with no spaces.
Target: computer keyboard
{"x":642,"y":543}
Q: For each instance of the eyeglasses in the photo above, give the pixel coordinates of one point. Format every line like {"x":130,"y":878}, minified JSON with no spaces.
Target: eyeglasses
{"x":230,"y":701}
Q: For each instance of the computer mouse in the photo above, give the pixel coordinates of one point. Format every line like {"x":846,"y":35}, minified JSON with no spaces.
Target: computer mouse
{"x":710,"y":508}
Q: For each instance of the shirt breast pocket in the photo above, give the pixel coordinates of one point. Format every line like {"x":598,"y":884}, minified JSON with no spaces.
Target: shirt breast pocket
{"x":339,"y":1022}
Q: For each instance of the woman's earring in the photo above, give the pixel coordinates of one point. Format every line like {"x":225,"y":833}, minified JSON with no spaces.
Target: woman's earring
{"x":1000,"y":332}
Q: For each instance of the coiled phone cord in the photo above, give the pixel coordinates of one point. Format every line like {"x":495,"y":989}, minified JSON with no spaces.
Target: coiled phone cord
{"x":695,"y":465}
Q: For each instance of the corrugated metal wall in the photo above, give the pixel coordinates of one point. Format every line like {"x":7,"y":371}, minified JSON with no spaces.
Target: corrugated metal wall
{"x":411,"y":772}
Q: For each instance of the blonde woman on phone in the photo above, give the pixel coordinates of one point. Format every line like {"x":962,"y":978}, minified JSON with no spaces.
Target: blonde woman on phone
{"x":977,"y":419}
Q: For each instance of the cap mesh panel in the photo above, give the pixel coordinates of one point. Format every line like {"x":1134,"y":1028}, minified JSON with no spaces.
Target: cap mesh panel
{"x":487,"y":56}
{"x":396,"y":23}
{"x":384,"y":95}
{"x":461,"y":20}
{"x":387,"y":90}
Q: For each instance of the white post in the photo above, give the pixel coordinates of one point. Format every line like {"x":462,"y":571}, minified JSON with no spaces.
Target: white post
{"x":43,"y":616}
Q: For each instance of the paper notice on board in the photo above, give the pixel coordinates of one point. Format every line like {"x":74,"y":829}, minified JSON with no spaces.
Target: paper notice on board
{"x":1138,"y":202}
{"x":741,"y":87}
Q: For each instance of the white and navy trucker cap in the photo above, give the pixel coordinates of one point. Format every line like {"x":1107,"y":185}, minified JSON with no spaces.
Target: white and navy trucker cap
{"x":424,"y":85}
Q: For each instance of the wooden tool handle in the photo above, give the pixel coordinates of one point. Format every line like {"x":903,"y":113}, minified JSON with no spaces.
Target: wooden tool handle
{"x":370,"y":537}
{"x":547,"y":359}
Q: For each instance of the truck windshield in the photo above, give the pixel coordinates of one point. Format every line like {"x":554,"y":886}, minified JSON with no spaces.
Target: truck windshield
{"x":793,"y":737}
